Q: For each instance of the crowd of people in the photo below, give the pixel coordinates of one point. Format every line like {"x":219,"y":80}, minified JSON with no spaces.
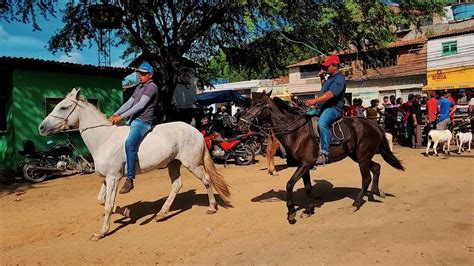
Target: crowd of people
{"x":404,"y":120}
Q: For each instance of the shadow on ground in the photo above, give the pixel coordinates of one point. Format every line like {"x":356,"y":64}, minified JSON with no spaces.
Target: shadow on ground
{"x":324,"y":191}
{"x":183,"y":202}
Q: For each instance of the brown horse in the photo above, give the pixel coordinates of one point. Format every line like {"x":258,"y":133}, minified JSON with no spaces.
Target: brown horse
{"x":293,"y":131}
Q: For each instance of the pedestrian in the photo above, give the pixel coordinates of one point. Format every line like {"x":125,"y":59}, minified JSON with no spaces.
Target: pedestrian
{"x":415,"y":121}
{"x":386,"y":102}
{"x":446,"y":109}
{"x":432,"y":109}
{"x":374,"y":112}
{"x":139,"y":110}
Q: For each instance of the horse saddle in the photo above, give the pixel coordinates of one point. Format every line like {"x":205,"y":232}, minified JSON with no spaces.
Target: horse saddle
{"x":340,"y":132}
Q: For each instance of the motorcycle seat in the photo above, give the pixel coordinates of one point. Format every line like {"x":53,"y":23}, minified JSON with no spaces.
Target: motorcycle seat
{"x":238,"y":137}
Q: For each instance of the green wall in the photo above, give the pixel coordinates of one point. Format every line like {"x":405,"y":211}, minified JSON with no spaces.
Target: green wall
{"x":31,"y":88}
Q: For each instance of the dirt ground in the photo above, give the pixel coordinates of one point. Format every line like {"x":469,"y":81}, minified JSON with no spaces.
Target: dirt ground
{"x":426,"y":220}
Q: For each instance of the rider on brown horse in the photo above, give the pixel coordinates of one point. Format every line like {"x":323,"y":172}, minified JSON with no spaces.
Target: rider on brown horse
{"x":331,"y":103}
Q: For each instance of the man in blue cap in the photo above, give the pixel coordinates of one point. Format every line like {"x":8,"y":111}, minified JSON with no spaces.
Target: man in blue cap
{"x":331,"y":99}
{"x":139,"y":110}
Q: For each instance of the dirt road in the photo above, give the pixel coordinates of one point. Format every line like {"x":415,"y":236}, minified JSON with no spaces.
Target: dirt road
{"x":428,"y":219}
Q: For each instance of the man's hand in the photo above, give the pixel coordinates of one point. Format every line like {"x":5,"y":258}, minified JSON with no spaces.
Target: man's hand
{"x":322,"y":73}
{"x":115,"y":119}
{"x":310,"y":102}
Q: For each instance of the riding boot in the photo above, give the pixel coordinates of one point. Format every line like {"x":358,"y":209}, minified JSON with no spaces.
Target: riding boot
{"x":127,"y":186}
{"x":322,"y":159}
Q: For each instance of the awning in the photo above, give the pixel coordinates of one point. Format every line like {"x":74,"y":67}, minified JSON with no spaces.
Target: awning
{"x":209,"y":98}
{"x":450,"y":78}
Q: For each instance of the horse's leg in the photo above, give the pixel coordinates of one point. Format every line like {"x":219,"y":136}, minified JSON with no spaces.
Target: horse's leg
{"x":309,"y":192}
{"x":176,"y":184}
{"x":200,"y":173}
{"x":364,"y":167}
{"x":112,"y":181}
{"x":375,"y":169}
{"x":448,"y":146}
{"x":289,"y":191}
{"x":101,"y":195}
{"x":272,"y":145}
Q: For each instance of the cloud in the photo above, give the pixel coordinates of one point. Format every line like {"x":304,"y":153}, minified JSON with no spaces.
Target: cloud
{"x":3,"y":33}
{"x":72,"y":57}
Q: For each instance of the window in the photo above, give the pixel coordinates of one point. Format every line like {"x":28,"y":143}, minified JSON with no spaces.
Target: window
{"x":309,"y":71}
{"x":381,"y":62}
{"x":449,"y":48}
{"x":50,"y":103}
{"x":3,"y":114}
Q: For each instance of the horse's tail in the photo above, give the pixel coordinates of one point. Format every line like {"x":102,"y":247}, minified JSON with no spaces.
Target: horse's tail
{"x":388,"y":155}
{"x":216,"y":178}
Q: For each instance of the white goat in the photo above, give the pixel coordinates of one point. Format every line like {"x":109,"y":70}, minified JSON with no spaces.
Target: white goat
{"x":462,"y":138}
{"x":439,"y":136}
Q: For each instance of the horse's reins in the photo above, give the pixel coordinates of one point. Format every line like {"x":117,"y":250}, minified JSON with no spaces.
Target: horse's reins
{"x":266,"y":130}
{"x":65,"y":119}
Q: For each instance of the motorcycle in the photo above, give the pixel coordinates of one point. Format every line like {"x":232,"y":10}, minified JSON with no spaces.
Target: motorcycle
{"x":228,"y":148}
{"x":60,"y":159}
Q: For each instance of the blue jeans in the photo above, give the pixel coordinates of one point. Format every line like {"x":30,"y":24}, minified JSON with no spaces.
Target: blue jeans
{"x":138,"y":130}
{"x":327,"y":117}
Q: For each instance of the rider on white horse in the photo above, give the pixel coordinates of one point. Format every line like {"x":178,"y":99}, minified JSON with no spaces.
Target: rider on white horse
{"x":140,"y":109}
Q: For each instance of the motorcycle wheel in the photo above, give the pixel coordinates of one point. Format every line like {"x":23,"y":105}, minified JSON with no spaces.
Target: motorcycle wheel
{"x":34,"y":175}
{"x":244,"y":156}
{"x":84,"y":168}
{"x":256,"y":146}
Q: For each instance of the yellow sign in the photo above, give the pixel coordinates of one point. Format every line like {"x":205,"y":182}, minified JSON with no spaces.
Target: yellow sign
{"x":450,"y":78}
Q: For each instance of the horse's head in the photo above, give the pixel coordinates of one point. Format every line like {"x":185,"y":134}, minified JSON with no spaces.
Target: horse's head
{"x":259,"y":112}
{"x":64,"y":115}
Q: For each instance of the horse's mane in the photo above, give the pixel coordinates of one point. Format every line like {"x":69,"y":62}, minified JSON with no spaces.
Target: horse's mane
{"x":283,"y":105}
{"x":83,"y":100}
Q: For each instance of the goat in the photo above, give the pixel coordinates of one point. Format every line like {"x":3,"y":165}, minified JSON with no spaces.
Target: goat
{"x":439,"y":136}
{"x":462,"y":138}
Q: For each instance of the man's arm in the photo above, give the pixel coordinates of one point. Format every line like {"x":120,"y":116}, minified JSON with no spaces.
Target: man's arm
{"x":137,"y":107}
{"x":125,"y":106}
{"x":325,"y":97}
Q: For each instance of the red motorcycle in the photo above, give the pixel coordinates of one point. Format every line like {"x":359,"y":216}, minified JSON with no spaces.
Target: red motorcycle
{"x":229,"y":148}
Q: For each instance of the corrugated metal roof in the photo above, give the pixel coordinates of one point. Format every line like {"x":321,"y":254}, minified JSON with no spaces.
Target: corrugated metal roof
{"x":33,"y":63}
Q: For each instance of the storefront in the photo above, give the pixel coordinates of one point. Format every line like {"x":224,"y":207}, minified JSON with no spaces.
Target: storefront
{"x":450,"y":78}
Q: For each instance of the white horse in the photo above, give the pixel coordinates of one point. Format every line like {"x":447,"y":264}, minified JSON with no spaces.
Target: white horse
{"x":168,"y":145}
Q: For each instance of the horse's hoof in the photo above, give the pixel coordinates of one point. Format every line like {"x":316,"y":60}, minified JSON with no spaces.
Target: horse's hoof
{"x":291,"y":218}
{"x":381,"y":194}
{"x":211,"y":211}
{"x":426,"y":154}
{"x":436,"y":155}
{"x":306,"y":214}
{"x":160,"y":217}
{"x":352,"y":209}
{"x":96,"y":237}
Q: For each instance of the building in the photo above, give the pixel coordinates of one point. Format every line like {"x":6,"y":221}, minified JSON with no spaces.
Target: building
{"x":30,"y":89}
{"x":450,"y":60}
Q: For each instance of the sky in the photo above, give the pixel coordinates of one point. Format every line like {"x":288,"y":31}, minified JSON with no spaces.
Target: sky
{"x":19,"y":40}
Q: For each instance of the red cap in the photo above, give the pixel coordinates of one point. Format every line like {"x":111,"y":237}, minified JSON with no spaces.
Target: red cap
{"x":331,"y":60}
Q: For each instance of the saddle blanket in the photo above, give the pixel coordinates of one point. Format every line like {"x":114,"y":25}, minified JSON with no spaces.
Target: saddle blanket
{"x":340,"y":132}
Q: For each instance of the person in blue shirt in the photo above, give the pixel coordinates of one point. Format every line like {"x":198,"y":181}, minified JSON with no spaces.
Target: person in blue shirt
{"x":331,"y":102}
{"x":446,"y":109}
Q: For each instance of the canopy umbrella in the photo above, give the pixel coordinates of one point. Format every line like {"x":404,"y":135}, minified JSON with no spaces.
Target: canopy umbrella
{"x":209,"y":98}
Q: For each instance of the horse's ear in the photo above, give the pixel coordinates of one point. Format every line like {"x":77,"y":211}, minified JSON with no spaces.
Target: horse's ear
{"x":78,"y":92}
{"x":269,"y":93}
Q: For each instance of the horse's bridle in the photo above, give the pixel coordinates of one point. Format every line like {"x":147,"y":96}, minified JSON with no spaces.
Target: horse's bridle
{"x":65,"y":119}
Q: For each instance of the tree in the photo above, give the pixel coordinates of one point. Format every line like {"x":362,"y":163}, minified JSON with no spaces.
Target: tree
{"x":165,"y":32}
{"x":259,"y":38}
